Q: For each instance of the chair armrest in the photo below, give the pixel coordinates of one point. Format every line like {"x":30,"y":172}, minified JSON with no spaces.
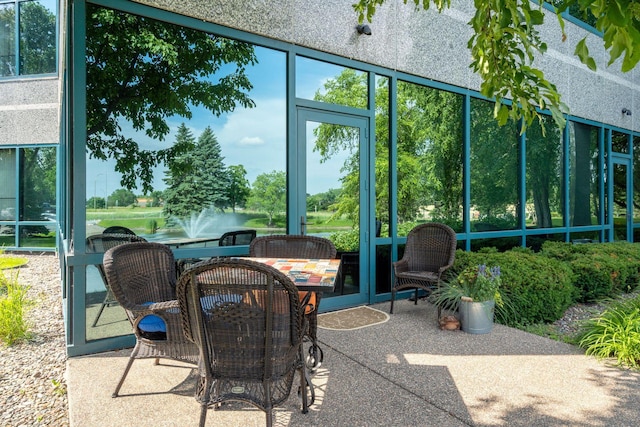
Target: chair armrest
{"x":143,"y":310}
{"x":401,"y":266}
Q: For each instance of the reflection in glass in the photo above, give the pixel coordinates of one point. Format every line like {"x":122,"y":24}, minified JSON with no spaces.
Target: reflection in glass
{"x":8,"y":187}
{"x":619,"y":201}
{"x":430,"y":142}
{"x":382,"y":157}
{"x":330,"y":83}
{"x":7,"y":40}
{"x":636,"y":180}
{"x":38,"y":37}
{"x":112,"y":321}
{"x":544,"y":175}
{"x":584,"y":174}
{"x":495,"y":162}
{"x":619,"y":142}
{"x":220,"y":144}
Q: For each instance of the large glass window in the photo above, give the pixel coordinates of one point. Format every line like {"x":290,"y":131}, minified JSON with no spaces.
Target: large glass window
{"x":584,"y":174}
{"x":27,"y":37}
{"x":210,"y":111}
{"x":346,"y":86}
{"x":495,"y":163}
{"x":29,"y":207}
{"x":544,"y":175}
{"x":430,"y":149}
{"x":214,"y":122}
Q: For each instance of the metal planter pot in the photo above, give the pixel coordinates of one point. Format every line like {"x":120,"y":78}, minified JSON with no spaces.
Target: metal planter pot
{"x":477,"y":317}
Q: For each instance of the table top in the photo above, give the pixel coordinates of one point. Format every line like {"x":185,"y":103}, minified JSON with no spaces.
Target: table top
{"x":307,"y":274}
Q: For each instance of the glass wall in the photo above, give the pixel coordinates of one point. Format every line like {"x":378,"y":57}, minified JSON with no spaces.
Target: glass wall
{"x":494,"y":165}
{"x":544,"y":175}
{"x":28,"y":37}
{"x":584,"y":174}
{"x":430,"y":156}
{"x":182,"y":152}
{"x":28,"y":197}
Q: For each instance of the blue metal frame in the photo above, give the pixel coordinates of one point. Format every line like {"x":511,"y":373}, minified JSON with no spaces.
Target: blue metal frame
{"x":76,"y":262}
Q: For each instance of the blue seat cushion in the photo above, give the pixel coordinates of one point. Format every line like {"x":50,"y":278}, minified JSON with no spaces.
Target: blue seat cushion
{"x":152,"y":323}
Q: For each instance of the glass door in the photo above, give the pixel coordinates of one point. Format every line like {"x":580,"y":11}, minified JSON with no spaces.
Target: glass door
{"x":329,"y":193}
{"x":622,"y":209}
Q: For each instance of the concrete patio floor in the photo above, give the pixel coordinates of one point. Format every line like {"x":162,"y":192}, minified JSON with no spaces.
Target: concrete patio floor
{"x":405,"y":372}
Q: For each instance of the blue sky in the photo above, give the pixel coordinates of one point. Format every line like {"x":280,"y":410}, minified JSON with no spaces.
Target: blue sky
{"x":254,"y":137}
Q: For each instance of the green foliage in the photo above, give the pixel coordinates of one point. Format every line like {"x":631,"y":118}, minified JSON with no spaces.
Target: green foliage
{"x":268,"y":194}
{"x":601,"y":269}
{"x":152,"y":226}
{"x":615,"y":333}
{"x":13,"y":305}
{"x":11,"y":262}
{"x":122,"y":197}
{"x":142,"y":72}
{"x":197,"y":179}
{"x":506,"y":39}
{"x":538,"y":289}
{"x":346,"y":241}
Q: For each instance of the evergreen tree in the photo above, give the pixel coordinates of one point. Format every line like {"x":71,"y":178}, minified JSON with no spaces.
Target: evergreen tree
{"x":199,"y":179}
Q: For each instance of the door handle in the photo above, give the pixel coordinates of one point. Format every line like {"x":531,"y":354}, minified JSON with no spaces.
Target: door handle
{"x":302,"y":226}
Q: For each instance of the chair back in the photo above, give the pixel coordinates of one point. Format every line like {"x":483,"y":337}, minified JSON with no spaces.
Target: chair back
{"x":292,"y":246}
{"x":239,"y":237}
{"x":430,"y":247}
{"x":140,"y":273}
{"x":245,"y":317}
{"x":118,"y":229}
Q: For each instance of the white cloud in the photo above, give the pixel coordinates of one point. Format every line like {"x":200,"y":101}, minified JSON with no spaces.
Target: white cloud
{"x":251,"y":140}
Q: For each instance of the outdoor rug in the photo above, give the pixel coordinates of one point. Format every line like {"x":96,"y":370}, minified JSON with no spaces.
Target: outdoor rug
{"x":351,"y":318}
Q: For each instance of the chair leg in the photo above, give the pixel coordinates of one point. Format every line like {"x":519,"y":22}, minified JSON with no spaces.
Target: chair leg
{"x":393,"y":297}
{"x":102,"y":306}
{"x":124,"y":375}
{"x":203,"y":413}
{"x":416,"y":298}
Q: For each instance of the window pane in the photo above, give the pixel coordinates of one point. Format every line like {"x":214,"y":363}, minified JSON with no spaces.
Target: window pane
{"x":38,"y":184}
{"x":7,"y":40}
{"x":584,"y":174}
{"x":544,"y":175}
{"x":636,"y":180}
{"x":430,"y":135}
{"x":225,"y":134}
{"x":8,"y":187}
{"x":320,"y":81}
{"x":382,"y":156}
{"x":619,"y":142}
{"x":495,"y":162}
{"x":37,"y":37}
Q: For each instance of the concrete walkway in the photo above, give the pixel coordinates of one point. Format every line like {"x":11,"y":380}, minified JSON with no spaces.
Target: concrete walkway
{"x":405,"y":372}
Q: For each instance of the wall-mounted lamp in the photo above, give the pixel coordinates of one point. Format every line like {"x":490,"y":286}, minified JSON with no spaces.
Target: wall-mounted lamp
{"x":626,"y":112}
{"x":364,"y":29}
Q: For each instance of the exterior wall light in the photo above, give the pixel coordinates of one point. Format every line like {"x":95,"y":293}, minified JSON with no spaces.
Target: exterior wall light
{"x":364,"y":29}
{"x":626,"y":112}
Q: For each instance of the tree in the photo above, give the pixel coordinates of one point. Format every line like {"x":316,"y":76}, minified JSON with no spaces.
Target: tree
{"x":238,"y":190}
{"x":122,"y":197}
{"x":198,"y":179}
{"x":143,"y":71}
{"x":269,"y":194}
{"x":506,"y":39}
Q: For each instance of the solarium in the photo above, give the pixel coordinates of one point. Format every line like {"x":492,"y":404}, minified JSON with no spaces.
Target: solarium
{"x":386,"y":128}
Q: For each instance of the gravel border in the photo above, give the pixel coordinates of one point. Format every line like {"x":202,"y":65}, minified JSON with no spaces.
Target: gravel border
{"x":33,"y":389}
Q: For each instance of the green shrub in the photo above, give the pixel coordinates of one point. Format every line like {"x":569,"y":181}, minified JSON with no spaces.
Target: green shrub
{"x":13,"y":306}
{"x":615,"y":333}
{"x":601,"y":269}
{"x":539,"y":289}
{"x":346,"y":241}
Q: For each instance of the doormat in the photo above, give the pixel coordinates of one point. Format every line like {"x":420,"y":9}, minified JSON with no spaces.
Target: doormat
{"x":351,"y":318}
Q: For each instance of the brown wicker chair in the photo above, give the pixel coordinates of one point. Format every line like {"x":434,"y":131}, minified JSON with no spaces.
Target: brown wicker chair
{"x":247,"y":321}
{"x":296,"y":246}
{"x":239,"y":237}
{"x":100,"y":243}
{"x":430,"y":250}
{"x":142,"y":277}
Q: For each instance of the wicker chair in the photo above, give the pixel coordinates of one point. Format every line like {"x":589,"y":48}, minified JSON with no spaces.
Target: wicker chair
{"x":100,"y":243}
{"x":142,"y":277}
{"x":118,"y":229}
{"x":234,"y":238}
{"x":429,"y":252}
{"x":295,"y":246}
{"x":247,"y":321}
